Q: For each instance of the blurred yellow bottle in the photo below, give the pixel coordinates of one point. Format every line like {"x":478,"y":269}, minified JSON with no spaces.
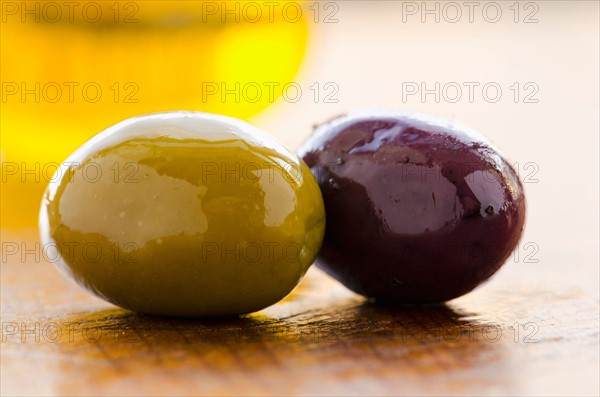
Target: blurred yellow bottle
{"x":71,"y":69}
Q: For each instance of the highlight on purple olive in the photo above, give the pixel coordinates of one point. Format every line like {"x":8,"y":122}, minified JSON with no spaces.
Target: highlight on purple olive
{"x":419,"y":210}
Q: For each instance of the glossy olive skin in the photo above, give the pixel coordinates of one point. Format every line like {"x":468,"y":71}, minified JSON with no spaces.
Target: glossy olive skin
{"x":418,"y":210}
{"x":184,"y":214}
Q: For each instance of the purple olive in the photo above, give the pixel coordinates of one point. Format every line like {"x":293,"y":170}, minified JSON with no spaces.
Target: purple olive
{"x":419,"y":210}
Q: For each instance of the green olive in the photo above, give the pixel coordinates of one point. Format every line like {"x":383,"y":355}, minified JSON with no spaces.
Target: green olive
{"x":184,"y":214}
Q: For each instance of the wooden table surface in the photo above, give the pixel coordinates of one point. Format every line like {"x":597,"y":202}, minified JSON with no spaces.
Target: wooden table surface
{"x":529,"y":331}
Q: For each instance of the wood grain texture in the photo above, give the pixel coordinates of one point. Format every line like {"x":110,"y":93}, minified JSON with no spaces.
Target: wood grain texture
{"x":59,"y":340}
